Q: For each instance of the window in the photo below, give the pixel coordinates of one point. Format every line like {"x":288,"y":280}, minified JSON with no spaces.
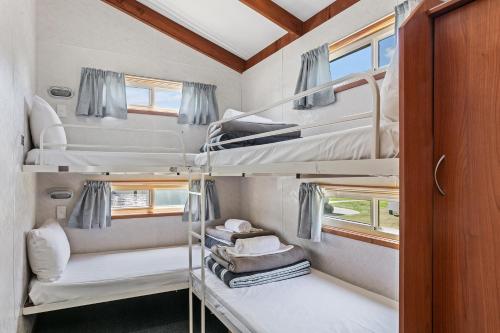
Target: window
{"x":144,"y":199}
{"x":153,"y":96}
{"x":369,"y":49}
{"x":373,"y":211}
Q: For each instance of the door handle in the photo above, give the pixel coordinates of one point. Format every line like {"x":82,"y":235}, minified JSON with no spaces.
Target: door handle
{"x":441,"y":159}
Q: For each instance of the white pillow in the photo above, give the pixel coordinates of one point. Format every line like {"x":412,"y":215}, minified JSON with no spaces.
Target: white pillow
{"x":389,"y":92}
{"x":251,"y":119}
{"x":43,"y":115}
{"x":48,"y":251}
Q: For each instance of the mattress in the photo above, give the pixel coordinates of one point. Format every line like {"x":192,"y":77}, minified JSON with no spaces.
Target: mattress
{"x":108,"y":273}
{"x":312,"y":303}
{"x":351,"y":144}
{"x":105,"y":158}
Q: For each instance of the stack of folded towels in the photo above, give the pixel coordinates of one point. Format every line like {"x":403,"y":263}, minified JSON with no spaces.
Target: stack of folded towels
{"x":257,"y":260}
{"x":232,"y":230}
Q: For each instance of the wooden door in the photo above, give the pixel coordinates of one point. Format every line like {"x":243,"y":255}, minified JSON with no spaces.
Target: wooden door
{"x":466,"y":245}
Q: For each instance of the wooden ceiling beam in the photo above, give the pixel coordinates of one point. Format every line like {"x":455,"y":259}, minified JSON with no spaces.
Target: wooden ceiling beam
{"x":316,"y":20}
{"x":178,"y":32}
{"x":276,"y":14}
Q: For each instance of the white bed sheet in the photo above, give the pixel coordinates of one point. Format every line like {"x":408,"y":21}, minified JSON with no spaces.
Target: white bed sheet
{"x":108,"y":273}
{"x":351,"y":144}
{"x":105,"y":158}
{"x":312,"y":303}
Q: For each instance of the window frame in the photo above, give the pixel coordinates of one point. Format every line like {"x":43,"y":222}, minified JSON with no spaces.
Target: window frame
{"x":151,"y":210}
{"x":369,"y":35}
{"x":151,"y":84}
{"x":360,"y":230}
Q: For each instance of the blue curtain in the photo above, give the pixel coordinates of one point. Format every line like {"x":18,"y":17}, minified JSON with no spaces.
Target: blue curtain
{"x":198,"y":104}
{"x":310,"y":212}
{"x":102,"y":94}
{"x":314,"y":71}
{"x":212,"y":208}
{"x":93,"y":208}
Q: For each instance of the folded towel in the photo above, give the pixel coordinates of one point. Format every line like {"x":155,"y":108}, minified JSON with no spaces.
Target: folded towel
{"x":230,"y":236}
{"x":211,"y":241}
{"x":237,"y":264}
{"x":222,"y":228}
{"x":240,"y":280}
{"x":236,"y":225}
{"x":282,"y":248}
{"x":256,"y":245}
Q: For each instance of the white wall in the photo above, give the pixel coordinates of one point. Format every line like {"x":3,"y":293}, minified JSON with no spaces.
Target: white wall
{"x":17,"y":190}
{"x":125,"y":233}
{"x":88,"y":33}
{"x":273,"y":202}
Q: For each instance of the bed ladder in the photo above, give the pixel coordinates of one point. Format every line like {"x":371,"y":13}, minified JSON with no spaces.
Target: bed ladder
{"x":201,"y":237}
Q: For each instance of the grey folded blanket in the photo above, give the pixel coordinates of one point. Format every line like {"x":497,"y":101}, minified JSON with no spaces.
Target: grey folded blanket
{"x":239,"y":280}
{"x":238,"y":129}
{"x":256,"y":263}
{"x":233,"y":236}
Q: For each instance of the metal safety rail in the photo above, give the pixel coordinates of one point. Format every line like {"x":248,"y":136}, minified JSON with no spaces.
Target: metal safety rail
{"x":374,"y":114}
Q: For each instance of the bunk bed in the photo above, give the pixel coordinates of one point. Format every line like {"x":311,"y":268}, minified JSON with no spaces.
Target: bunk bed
{"x":369,"y":152}
{"x":108,"y":276}
{"x":127,"y":159}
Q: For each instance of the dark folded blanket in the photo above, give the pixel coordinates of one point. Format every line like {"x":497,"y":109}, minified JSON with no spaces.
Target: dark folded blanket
{"x":256,"y":263}
{"x":238,"y":129}
{"x":240,"y":280}
{"x":233,"y":236}
{"x":212,"y":241}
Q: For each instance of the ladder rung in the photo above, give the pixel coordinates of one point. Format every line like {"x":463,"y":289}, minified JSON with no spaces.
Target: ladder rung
{"x":194,"y":193}
{"x":196,"y":235}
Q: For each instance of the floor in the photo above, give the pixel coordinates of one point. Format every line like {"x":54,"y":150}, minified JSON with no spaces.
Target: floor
{"x":151,"y":314}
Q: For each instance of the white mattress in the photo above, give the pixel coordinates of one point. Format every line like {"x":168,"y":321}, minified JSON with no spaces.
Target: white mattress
{"x":351,"y":144}
{"x":105,"y":158}
{"x":108,"y":273}
{"x":312,"y":303}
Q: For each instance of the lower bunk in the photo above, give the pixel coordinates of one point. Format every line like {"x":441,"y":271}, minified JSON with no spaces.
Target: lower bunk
{"x":316,"y":302}
{"x":108,"y":276}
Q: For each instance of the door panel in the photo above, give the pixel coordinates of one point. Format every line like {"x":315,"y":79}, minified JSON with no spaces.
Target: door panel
{"x":466,"y":251}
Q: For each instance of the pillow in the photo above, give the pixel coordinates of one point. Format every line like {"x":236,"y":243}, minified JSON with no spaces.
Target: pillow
{"x":389,"y":92}
{"x":251,"y":119}
{"x":48,"y":251}
{"x":43,"y":115}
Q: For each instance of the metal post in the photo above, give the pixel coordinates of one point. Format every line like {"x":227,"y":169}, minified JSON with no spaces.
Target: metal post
{"x":202,"y":233}
{"x":190,"y":242}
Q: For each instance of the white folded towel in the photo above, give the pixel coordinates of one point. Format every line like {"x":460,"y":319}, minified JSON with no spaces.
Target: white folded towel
{"x":236,"y":225}
{"x":223,"y":228}
{"x":257,"y":245}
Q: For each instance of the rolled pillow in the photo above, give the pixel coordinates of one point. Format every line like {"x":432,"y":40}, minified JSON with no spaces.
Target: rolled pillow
{"x":236,"y":225}
{"x":48,"y":251}
{"x":42,"y":115}
{"x":257,"y":245}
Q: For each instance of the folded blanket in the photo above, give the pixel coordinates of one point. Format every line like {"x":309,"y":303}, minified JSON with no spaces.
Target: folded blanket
{"x":238,"y":129}
{"x":236,"y":225}
{"x":212,"y":241}
{"x":256,"y":263}
{"x":257,"y":245}
{"x":232,"y":237}
{"x":240,"y":280}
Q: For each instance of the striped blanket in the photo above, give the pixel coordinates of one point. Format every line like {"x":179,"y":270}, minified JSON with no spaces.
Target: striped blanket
{"x":240,"y":280}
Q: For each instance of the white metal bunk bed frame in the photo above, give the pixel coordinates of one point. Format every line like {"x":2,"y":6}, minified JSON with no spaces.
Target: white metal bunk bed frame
{"x":42,"y":167}
{"x":369,"y":167}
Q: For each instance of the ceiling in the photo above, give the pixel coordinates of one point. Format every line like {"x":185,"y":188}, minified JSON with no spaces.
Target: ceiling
{"x":238,"y":34}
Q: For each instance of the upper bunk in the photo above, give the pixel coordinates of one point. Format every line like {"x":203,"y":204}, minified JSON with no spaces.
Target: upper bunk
{"x":360,"y":151}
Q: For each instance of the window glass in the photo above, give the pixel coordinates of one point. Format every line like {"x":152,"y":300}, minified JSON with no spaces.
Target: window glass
{"x":126,"y":199}
{"x":386,"y":49}
{"x":349,"y":209}
{"x":137,"y":96}
{"x":389,"y":215}
{"x":357,"y":61}
{"x":168,"y":99}
{"x":170,"y":198}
